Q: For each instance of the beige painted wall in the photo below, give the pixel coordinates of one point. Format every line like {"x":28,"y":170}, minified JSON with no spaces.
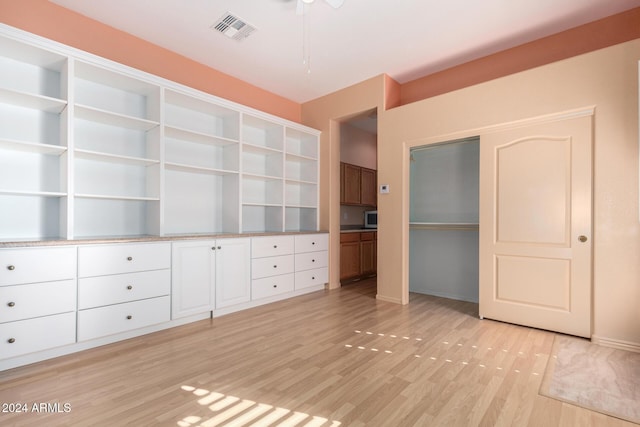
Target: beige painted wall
{"x":606,"y":79}
{"x":325,"y":114}
{"x":358,"y":147}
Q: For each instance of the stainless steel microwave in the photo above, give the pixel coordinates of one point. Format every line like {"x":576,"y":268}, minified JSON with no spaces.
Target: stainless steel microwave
{"x":371,"y":219}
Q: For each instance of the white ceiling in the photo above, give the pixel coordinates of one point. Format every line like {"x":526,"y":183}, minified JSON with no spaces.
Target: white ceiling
{"x":364,"y":38}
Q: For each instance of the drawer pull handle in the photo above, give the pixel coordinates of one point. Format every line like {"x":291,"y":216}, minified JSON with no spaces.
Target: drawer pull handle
{"x":129,"y":287}
{"x":11,"y":304}
{"x":11,"y":340}
{"x":129,"y":258}
{"x":129,"y":317}
{"x":11,"y":267}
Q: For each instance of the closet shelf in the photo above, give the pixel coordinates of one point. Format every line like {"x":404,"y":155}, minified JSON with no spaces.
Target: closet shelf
{"x":467,"y":226}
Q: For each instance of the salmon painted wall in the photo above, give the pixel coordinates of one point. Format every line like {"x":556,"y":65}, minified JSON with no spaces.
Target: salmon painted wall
{"x":606,"y":32}
{"x":54,"y":22}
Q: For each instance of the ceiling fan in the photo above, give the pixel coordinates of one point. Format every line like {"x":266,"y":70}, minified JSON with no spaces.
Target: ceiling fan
{"x":300,"y":7}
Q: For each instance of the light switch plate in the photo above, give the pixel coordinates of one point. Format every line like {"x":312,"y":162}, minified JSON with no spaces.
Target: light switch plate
{"x":384,"y":188}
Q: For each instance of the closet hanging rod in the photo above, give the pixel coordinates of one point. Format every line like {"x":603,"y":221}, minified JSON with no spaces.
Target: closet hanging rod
{"x":443,"y":226}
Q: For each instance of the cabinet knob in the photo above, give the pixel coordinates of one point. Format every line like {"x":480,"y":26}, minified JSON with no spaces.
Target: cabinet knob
{"x":219,"y":247}
{"x":582,"y":239}
{"x":11,"y":267}
{"x":313,"y":278}
{"x":129,"y":287}
{"x":11,"y":304}
{"x":275,"y":246}
{"x":213,"y":248}
{"x":129,"y":317}
{"x":313,"y":260}
{"x":275,"y":286}
{"x":129,"y":258}
{"x":275,"y":266}
{"x":313,"y":243}
{"x":11,"y":340}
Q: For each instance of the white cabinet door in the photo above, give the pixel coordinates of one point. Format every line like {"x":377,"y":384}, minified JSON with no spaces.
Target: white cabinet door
{"x":233,"y":277}
{"x":193,"y":276}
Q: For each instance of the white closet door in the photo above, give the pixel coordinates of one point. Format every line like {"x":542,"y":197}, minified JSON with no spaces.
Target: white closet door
{"x":535,"y":225}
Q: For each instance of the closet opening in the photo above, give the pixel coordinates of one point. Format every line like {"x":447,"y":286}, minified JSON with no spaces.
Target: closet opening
{"x":444,"y":219}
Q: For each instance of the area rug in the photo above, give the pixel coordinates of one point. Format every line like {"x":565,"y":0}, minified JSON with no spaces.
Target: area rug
{"x":602,"y":379}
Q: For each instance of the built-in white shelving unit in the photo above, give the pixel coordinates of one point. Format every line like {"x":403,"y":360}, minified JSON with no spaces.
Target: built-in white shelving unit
{"x":33,"y":141}
{"x":91,"y":148}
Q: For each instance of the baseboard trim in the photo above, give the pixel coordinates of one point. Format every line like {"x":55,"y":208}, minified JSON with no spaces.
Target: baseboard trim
{"x":388,"y":299}
{"x":613,"y":343}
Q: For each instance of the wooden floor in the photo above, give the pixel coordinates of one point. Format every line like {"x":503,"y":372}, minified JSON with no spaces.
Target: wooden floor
{"x":333,"y":358}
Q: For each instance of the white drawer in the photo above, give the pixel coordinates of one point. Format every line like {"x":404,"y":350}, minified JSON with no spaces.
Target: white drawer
{"x":272,"y":266}
{"x":270,"y":286}
{"x":28,"y":336}
{"x":32,"y":265}
{"x":98,"y":322}
{"x":312,"y":242}
{"x":37,"y":299}
{"x":271,"y":246}
{"x":307,"y":278}
{"x":118,"y":288}
{"x":122,"y":258}
{"x":311,"y":260}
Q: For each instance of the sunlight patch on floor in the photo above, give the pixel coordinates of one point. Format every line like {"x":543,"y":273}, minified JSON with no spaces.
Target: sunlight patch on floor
{"x":232,"y":411}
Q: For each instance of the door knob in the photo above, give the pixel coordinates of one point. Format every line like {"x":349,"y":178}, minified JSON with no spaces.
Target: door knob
{"x":583,"y":238}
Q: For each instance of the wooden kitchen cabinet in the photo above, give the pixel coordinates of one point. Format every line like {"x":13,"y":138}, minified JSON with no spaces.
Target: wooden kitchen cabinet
{"x":350,"y":184}
{"x":368,"y":184}
{"x":357,"y":185}
{"x":357,"y":255}
{"x":367,"y":253}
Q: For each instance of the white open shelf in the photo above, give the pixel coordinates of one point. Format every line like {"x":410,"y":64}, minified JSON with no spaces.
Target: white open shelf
{"x":89,"y":148}
{"x":28,"y":100}
{"x":113,"y":119}
{"x":31,"y":147}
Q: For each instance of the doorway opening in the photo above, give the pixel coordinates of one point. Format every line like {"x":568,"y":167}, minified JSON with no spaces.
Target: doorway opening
{"x":444,"y":219}
{"x":358,"y":196}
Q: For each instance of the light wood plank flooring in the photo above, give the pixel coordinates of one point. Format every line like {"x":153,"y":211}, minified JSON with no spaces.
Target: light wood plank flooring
{"x":332,"y":358}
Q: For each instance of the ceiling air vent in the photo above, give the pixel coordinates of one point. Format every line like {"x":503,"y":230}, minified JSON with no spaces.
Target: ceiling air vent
{"x":233,"y":27}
